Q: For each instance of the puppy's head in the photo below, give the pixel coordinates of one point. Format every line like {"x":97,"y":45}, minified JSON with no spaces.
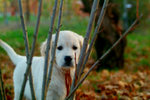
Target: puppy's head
{"x":68,"y":49}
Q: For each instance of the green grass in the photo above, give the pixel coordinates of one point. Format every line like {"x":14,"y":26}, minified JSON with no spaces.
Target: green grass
{"x":15,"y":37}
{"x":17,"y":18}
{"x":137,"y":52}
{"x":12,"y":18}
{"x":138,"y":42}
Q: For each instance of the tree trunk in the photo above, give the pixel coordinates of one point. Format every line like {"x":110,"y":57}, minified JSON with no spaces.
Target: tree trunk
{"x":108,"y":34}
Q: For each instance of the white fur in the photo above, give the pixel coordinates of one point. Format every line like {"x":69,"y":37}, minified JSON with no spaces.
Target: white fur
{"x":57,"y":89}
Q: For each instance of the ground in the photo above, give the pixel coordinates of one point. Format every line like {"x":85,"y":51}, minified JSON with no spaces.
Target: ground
{"x":130,"y":83}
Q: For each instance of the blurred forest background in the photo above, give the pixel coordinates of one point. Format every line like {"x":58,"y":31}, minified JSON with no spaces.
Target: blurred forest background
{"x":127,"y":77}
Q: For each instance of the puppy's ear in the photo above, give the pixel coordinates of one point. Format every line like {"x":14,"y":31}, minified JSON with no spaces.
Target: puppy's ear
{"x":81,"y":40}
{"x":53,"y":38}
{"x":44,"y":44}
{"x":43,"y":48}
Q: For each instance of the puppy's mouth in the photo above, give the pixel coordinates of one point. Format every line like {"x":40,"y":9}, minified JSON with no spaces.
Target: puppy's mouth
{"x":67,"y":65}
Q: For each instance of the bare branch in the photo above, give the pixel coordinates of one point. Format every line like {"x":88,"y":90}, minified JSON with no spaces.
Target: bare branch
{"x":24,"y":29}
{"x":1,"y":94}
{"x":44,"y":85}
{"x":137,"y":8}
{"x":2,"y":90}
{"x":55,"y":44}
{"x":99,"y":23}
{"x":86,"y":40}
{"x":33,"y":49}
{"x":103,"y":56}
{"x":88,"y":33}
{"x":27,"y":50}
{"x":29,"y":57}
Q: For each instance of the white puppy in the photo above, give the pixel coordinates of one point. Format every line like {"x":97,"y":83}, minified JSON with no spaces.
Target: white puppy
{"x":69,"y":45}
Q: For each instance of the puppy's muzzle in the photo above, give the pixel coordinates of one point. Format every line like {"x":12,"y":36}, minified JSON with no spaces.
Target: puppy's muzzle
{"x":68,"y":61}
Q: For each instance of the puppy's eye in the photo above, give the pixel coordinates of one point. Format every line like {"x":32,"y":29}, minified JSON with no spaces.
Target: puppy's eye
{"x":59,"y":47}
{"x":74,"y":48}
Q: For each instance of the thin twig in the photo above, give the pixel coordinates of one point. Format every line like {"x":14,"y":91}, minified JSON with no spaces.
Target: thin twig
{"x":99,"y":23}
{"x":85,"y":43}
{"x":44,"y":84}
{"x":27,"y":50}
{"x":103,"y":56}
{"x":75,"y":68}
{"x":55,"y":44}
{"x":29,"y":57}
{"x":137,"y":8}
{"x":1,"y":93}
{"x":24,"y":29}
{"x":33,"y":48}
{"x":2,"y":90}
{"x":88,"y":33}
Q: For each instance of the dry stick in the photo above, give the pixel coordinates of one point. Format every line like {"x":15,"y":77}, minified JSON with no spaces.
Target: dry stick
{"x":24,"y":29}
{"x":99,"y":23}
{"x":2,"y":94}
{"x":44,"y":84}
{"x":27,"y":51}
{"x":104,"y":55}
{"x":1,"y":91}
{"x":55,"y":44}
{"x":137,"y":8}
{"x":29,"y":58}
{"x":88,"y":33}
{"x":85,"y":44}
{"x":33,"y":48}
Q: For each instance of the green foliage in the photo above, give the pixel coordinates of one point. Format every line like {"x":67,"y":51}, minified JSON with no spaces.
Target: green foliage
{"x":15,"y":37}
{"x":136,"y":53}
{"x":12,"y":18}
{"x":137,"y":50}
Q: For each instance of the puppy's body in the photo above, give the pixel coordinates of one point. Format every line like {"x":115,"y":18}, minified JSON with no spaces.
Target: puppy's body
{"x":57,"y":89}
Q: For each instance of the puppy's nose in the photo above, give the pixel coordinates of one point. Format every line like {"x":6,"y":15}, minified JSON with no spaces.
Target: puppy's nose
{"x":68,"y":59}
